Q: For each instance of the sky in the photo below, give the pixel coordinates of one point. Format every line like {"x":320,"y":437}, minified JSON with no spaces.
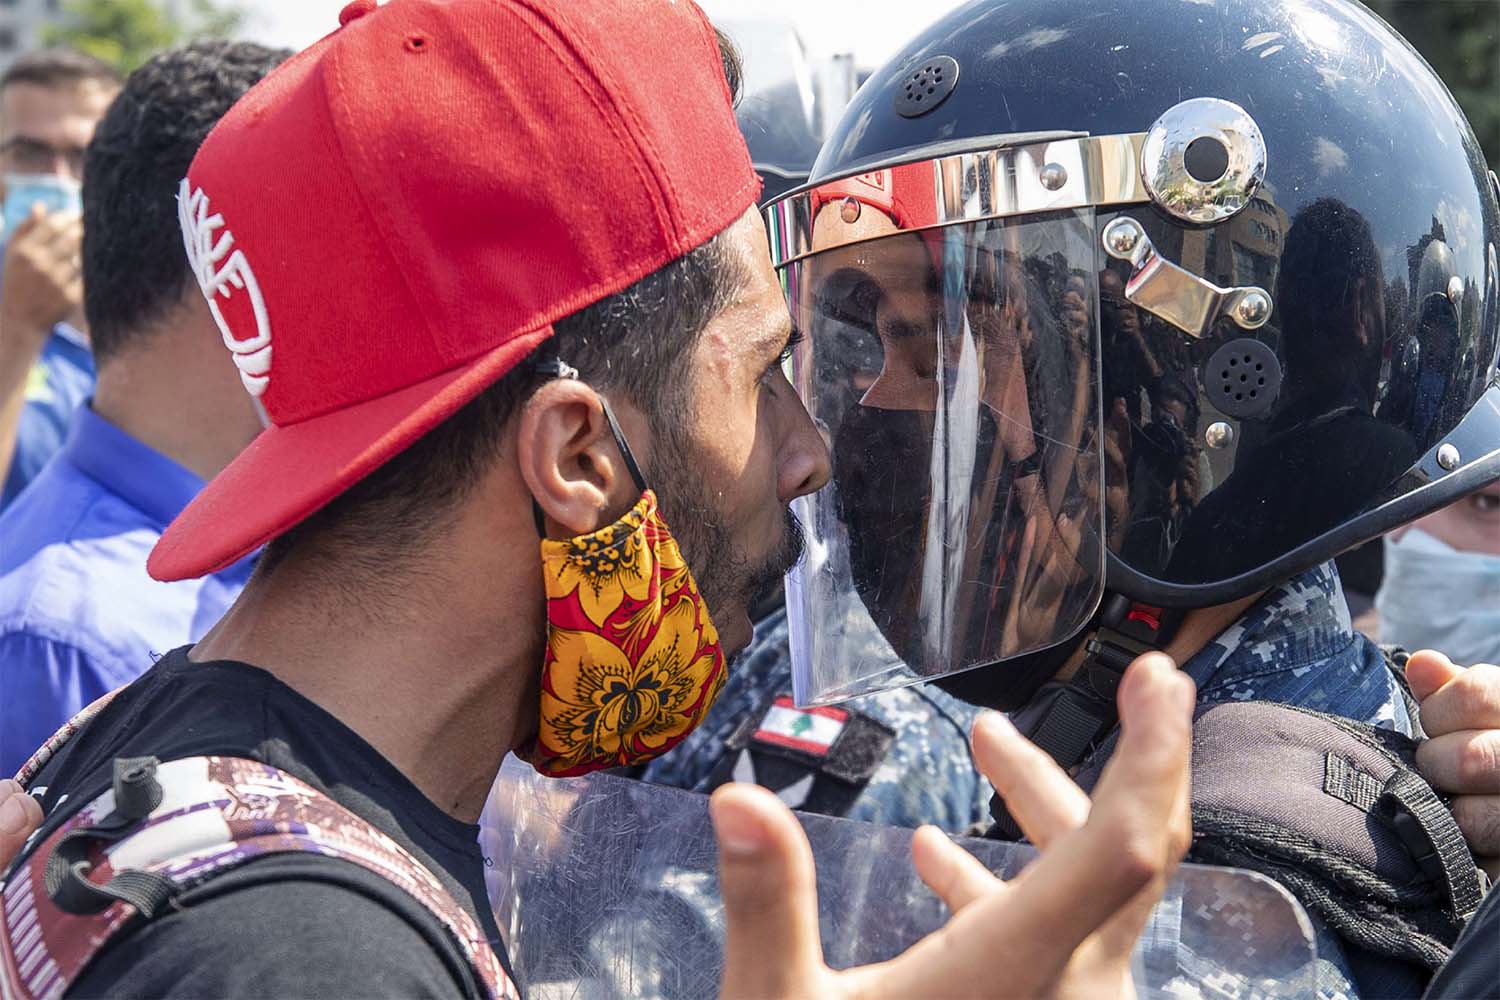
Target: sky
{"x":872,"y":29}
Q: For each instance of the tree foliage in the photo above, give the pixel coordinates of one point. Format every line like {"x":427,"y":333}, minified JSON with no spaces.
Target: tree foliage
{"x":1461,"y":40}
{"x":125,"y":33}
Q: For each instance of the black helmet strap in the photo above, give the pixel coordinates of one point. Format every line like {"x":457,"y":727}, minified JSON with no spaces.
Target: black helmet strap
{"x":1067,"y":719}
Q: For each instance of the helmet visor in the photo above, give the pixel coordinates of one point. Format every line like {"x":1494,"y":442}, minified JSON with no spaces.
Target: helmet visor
{"x":954,"y":370}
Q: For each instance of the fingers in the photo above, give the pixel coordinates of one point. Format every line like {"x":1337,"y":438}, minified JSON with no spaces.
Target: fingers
{"x":1042,"y":799}
{"x":1478,"y":817}
{"x":58,"y":232}
{"x":766,"y":876}
{"x":1113,"y":866}
{"x":1135,"y":834}
{"x":20,"y":814}
{"x":1138,"y":826}
{"x":1427,"y":670}
{"x":1470,"y":700}
{"x":1466,"y":762}
{"x":27,"y":225}
{"x":956,"y":876}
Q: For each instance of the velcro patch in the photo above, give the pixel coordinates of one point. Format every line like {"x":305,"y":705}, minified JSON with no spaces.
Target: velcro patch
{"x":810,"y":730}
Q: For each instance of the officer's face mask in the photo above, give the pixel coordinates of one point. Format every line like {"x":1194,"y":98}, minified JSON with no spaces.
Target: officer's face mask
{"x":22,"y":191}
{"x":955,"y":370}
{"x":633,"y":660}
{"x":1434,"y":596}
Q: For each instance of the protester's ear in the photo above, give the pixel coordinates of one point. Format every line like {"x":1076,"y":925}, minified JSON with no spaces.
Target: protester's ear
{"x":568,"y":459}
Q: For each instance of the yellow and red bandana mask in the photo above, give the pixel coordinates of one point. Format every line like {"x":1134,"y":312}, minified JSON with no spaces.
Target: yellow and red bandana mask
{"x":633,"y":661}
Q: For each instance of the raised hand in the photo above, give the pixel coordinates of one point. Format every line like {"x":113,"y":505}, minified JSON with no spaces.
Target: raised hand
{"x":1065,"y":927}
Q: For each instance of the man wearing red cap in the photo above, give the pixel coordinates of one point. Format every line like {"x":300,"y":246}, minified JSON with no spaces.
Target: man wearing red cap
{"x":493,"y":270}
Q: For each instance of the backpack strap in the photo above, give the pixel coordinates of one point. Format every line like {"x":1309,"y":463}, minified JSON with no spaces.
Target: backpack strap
{"x":164,"y":828}
{"x":59,"y":739}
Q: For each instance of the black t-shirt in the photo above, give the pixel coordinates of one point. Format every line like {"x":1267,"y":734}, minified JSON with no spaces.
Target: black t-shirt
{"x":276,"y":926}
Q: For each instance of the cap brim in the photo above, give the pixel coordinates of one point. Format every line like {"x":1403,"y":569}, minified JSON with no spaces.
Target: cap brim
{"x":289,"y":473}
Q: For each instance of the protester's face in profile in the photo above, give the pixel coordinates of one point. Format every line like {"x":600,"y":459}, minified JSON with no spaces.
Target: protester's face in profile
{"x":749,"y":448}
{"x":44,"y":130}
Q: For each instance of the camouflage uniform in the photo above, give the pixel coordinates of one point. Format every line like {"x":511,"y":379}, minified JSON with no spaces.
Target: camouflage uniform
{"x":1296,"y":645}
{"x":928,"y":774}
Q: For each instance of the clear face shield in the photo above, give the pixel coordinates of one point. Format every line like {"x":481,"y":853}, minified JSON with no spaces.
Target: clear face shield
{"x":954,"y":370}
{"x":950,"y":313}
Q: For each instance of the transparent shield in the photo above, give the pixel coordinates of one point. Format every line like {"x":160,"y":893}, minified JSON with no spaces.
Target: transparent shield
{"x":604,"y":887}
{"x":954,"y":371}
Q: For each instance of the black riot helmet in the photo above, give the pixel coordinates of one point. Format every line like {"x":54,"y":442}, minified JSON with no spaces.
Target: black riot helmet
{"x":782,"y":111}
{"x":1172,"y":300}
{"x":782,"y":145}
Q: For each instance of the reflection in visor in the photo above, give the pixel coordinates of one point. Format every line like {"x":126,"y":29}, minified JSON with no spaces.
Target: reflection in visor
{"x":955,"y":371}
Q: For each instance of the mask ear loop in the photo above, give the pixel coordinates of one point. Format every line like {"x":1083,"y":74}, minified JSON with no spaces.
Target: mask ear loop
{"x":557,"y":368}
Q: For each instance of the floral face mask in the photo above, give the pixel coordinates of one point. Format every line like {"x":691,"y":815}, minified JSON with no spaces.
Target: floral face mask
{"x":633,"y":661}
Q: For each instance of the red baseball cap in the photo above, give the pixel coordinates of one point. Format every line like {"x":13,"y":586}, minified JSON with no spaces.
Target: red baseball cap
{"x":394,"y":218}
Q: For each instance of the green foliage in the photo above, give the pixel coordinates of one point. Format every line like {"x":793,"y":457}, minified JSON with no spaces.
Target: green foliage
{"x":125,"y":33}
{"x":1461,"y":40}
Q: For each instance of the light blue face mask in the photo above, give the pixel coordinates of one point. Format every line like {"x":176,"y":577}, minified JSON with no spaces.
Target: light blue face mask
{"x":56,"y":194}
{"x":1437,"y":597}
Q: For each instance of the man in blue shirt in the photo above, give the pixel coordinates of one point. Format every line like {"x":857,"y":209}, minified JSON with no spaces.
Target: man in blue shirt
{"x":50,"y":101}
{"x":59,"y":381}
{"x":78,"y":614}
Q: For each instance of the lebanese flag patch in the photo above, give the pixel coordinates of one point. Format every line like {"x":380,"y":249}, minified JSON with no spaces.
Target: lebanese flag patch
{"x":811,"y":730}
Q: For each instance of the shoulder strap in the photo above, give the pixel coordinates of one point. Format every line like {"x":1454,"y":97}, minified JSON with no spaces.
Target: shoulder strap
{"x":1069,"y":720}
{"x":163,"y":828}
{"x":1395,"y":658}
{"x":59,"y":739}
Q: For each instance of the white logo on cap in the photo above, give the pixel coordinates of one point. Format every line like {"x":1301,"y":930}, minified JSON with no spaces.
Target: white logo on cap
{"x":253,"y":356}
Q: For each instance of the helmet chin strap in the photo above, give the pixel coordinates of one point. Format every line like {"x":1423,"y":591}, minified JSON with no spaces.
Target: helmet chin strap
{"x":1068,"y":718}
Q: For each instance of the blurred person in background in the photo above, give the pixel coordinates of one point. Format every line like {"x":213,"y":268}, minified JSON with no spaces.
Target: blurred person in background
{"x":1441,"y":588}
{"x":50,"y":101}
{"x":78,"y":614}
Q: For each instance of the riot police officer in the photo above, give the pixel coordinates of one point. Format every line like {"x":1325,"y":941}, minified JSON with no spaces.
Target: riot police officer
{"x":1106,"y":308}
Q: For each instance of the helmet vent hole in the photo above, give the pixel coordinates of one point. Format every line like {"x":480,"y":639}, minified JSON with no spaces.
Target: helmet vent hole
{"x":1206,"y":159}
{"x":927,"y":86}
{"x":1242,"y":378}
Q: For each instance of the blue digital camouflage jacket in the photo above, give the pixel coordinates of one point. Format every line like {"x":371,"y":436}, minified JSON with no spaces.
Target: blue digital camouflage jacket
{"x":1296,"y":645}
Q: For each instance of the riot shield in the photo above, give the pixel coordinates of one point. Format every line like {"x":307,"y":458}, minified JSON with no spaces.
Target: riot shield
{"x":604,"y":887}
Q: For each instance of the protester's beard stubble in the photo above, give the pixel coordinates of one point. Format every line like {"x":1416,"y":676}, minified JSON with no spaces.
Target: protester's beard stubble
{"x":727,"y":576}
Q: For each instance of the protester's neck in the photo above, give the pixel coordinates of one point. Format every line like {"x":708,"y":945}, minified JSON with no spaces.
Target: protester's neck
{"x":436,"y":666}
{"x":173,"y":391}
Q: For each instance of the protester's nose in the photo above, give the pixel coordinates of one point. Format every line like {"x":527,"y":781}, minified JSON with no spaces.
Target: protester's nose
{"x":804,"y":465}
